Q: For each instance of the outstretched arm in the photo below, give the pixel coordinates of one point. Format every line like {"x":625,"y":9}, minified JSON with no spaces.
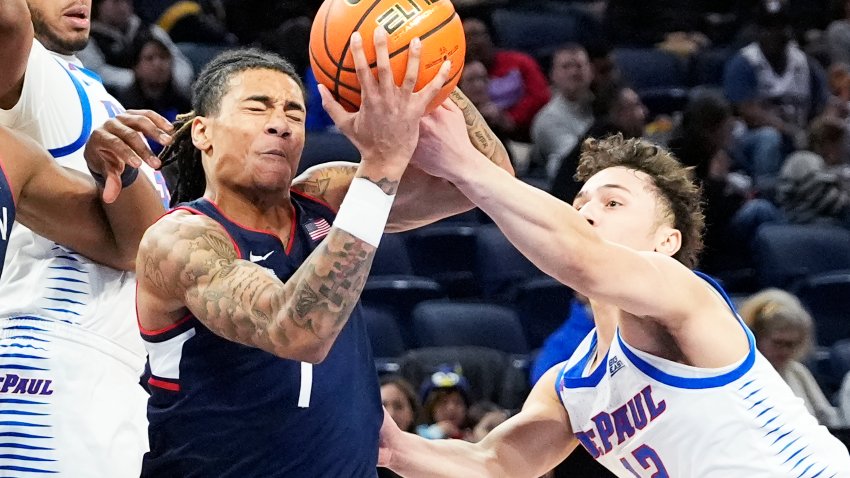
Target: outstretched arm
{"x":422,"y":198}
{"x":527,"y":445}
{"x":16,"y":36}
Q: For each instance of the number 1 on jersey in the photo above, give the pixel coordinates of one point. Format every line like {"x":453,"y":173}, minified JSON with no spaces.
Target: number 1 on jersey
{"x":647,"y":457}
{"x":306,"y":385}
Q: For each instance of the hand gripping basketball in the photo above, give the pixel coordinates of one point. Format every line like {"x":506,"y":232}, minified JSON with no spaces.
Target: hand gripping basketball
{"x":387,"y":124}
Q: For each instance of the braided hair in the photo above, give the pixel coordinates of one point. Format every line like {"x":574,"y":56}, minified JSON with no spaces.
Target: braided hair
{"x":209,"y":88}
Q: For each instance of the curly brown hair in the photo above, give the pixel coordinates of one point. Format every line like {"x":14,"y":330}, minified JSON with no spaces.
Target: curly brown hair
{"x":682,"y":203}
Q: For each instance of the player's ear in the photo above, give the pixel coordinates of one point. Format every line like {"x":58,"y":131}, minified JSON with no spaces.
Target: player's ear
{"x":200,"y":133}
{"x":669,"y":240}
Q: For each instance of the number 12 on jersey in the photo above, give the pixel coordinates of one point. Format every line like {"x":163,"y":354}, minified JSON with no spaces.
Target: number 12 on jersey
{"x":648,"y":460}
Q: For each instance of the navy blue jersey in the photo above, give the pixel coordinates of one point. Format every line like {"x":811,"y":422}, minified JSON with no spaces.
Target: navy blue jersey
{"x":7,"y":213}
{"x":222,"y":409}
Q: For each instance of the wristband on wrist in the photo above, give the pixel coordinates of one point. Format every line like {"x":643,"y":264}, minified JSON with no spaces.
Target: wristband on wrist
{"x":364,"y":211}
{"x":128,"y":177}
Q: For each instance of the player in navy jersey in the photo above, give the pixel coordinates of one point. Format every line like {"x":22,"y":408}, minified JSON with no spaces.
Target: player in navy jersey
{"x":669,"y":383}
{"x":259,"y":360}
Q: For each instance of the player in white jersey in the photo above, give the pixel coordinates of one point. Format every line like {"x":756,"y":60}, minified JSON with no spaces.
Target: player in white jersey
{"x":669,"y":383}
{"x":70,"y":353}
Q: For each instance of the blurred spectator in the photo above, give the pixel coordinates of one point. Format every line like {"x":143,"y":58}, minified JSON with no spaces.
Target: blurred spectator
{"x":731,"y":217}
{"x":445,"y":401}
{"x":475,"y":84}
{"x":561,"y":343}
{"x":400,"y":400}
{"x":838,"y":34}
{"x":517,"y":84}
{"x":153,"y":86}
{"x":784,"y":334}
{"x":557,"y":128}
{"x":114,"y":30}
{"x":197,"y":22}
{"x":616,"y":109}
{"x":811,"y":185}
{"x":776,"y":90}
{"x":605,"y":70}
{"x":484,"y":416}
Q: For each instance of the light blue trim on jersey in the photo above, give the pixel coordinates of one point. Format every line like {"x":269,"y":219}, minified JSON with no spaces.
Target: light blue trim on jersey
{"x":87,"y":120}
{"x":91,"y":74}
{"x":701,"y":382}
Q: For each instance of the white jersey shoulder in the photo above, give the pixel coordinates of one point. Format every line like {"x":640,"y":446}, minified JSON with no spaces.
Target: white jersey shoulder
{"x":61,"y":103}
{"x":643,"y":416}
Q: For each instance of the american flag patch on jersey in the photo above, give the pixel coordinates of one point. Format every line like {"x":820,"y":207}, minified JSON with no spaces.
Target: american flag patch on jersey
{"x":318,"y":228}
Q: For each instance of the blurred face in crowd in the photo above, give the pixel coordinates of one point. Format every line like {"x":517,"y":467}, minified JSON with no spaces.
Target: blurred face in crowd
{"x":479,"y":45}
{"x":115,"y":13}
{"x":396,"y":402}
{"x":571,"y":73}
{"x":773,"y":40}
{"x":153,"y":69}
{"x":61,"y":26}
{"x":780,"y":346}
{"x":629,"y":113}
{"x":450,"y":407}
{"x":475,"y":83}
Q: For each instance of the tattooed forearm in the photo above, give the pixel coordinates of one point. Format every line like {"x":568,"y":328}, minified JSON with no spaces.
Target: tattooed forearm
{"x":243,"y":302}
{"x":480,"y":134}
{"x":387,"y":185}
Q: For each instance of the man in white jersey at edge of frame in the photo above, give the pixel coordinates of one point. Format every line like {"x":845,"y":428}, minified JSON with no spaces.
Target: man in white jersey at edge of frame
{"x":69,"y":348}
{"x":669,"y":383}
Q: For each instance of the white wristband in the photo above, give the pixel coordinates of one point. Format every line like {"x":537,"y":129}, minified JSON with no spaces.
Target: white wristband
{"x":364,"y":211}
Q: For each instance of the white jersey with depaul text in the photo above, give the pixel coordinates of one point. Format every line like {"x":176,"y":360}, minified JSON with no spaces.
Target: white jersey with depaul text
{"x":61,"y":103}
{"x":642,"y":416}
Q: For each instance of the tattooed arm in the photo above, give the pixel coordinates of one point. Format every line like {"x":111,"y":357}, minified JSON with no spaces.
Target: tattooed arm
{"x":188,"y":261}
{"x":422,"y":198}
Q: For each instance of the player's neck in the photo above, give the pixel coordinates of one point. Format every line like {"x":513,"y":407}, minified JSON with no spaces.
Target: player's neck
{"x":267,"y":212}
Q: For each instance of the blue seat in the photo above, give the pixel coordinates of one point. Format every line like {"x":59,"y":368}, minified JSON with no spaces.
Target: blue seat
{"x":664,"y":100}
{"x":826,"y":298}
{"x":539,"y":32}
{"x":785,"y":253}
{"x":448,"y":323}
{"x":384,"y":333}
{"x":493,"y":375}
{"x":707,"y":66}
{"x":499,"y":266}
{"x":392,"y":257}
{"x":320,"y":148}
{"x":646,"y":68}
{"x":400,"y":294}
{"x":542,"y":304}
{"x":445,"y":253}
{"x":199,"y":54}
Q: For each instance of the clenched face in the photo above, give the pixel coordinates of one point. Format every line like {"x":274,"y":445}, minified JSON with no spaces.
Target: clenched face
{"x":61,"y":26}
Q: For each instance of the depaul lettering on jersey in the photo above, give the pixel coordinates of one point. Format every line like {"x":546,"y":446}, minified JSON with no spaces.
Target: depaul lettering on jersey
{"x":15,"y":384}
{"x":621,"y":424}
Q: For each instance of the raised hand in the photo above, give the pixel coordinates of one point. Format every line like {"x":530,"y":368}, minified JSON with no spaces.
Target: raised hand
{"x":386,"y":128}
{"x":443,"y":142}
{"x":118,"y":144}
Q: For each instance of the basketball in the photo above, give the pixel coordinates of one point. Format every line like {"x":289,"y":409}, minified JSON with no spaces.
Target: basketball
{"x":435,"y":22}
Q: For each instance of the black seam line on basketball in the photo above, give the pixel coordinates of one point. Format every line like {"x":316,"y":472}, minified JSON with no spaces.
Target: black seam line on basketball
{"x":404,"y":48}
{"x":347,"y":43}
{"x":325,"y":72}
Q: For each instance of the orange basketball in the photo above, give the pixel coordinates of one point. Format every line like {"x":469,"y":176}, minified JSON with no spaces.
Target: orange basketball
{"x":433,"y":21}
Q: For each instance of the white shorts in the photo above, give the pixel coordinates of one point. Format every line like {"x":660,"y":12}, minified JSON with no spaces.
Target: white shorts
{"x":70,"y":403}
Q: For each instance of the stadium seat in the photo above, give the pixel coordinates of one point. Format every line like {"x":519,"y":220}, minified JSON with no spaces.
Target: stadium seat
{"x":401,"y":294}
{"x":825,"y":296}
{"x":539,"y":32}
{"x":499,"y":266}
{"x":785,"y":253}
{"x":449,"y":323}
{"x":392,"y":257}
{"x":445,"y":253}
{"x":706,"y":67}
{"x":542,"y":304}
{"x":493,"y":375}
{"x":384,"y":333}
{"x":320,"y":148}
{"x":199,"y":54}
{"x":645,"y":68}
{"x":664,"y":100}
